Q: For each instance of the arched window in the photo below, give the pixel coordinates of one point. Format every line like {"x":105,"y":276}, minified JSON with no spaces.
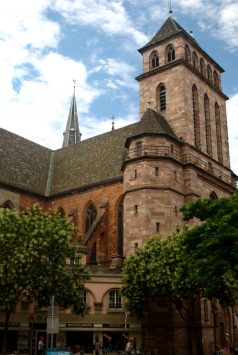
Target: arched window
{"x":209,"y":73}
{"x":8,"y":204}
{"x":207,"y":124}
{"x":154,"y":60}
{"x":61,"y":211}
{"x":202,"y":67}
{"x":161,"y":97}
{"x":218,"y":132}
{"x":91,"y":214}
{"x":195,"y":60}
{"x":213,"y":196}
{"x":187,"y":54}
{"x":196,"y":121}
{"x":120,"y":229}
{"x":170,"y":53}
{"x":216,"y":79}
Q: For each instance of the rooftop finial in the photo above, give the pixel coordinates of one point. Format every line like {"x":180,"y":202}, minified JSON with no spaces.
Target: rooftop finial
{"x":170,"y":7}
{"x":113,"y":123}
{"x":74,"y":81}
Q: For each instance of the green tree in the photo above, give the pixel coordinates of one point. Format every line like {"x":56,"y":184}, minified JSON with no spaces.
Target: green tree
{"x":34,"y":246}
{"x":213,"y":246}
{"x":159,"y":271}
{"x":200,"y":261}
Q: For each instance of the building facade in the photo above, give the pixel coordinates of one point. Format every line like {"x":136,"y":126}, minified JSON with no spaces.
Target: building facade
{"x":124,"y":186}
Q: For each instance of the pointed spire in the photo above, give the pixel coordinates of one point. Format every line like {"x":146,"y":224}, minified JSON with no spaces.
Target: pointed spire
{"x":72,"y":134}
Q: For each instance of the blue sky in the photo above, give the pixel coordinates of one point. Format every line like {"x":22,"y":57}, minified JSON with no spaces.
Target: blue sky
{"x":45,"y":44}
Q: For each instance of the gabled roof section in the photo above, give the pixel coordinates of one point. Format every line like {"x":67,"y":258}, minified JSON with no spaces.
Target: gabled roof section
{"x":72,"y":134}
{"x":168,"y":29}
{"x":152,"y":123}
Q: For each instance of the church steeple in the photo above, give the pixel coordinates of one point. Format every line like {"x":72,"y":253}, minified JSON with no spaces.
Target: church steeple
{"x":72,"y":134}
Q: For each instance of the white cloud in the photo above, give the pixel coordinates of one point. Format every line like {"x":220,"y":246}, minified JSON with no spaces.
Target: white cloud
{"x":110,"y":17}
{"x":219,"y":17}
{"x":232,"y":114}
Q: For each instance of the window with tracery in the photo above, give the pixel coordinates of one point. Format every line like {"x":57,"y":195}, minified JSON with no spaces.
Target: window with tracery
{"x":91,"y":215}
{"x":207,"y":125}
{"x":170,"y":53}
{"x":161,"y":94}
{"x":209,"y":73}
{"x":216,"y":79}
{"x":202,"y":67}
{"x":196,"y":121}
{"x":218,"y":133}
{"x":187,"y":54}
{"x":154,"y":60}
{"x":195,"y":60}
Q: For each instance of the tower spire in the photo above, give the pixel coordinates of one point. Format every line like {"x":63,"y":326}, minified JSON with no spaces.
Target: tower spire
{"x":72,"y":134}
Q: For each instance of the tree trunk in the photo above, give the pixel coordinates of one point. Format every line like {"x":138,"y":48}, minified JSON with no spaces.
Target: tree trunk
{"x":5,"y":331}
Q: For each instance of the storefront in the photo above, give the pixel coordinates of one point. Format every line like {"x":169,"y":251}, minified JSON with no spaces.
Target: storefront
{"x":81,"y":337}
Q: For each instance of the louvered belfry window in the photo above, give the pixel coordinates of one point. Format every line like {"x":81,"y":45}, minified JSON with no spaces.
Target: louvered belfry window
{"x":162,"y":98}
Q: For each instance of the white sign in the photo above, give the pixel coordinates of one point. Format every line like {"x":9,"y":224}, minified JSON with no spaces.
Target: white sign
{"x":53,"y":325}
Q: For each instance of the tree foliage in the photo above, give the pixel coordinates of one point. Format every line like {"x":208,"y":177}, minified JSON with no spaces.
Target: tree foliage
{"x":198,"y":261}
{"x":34,"y":246}
{"x":212,"y":246}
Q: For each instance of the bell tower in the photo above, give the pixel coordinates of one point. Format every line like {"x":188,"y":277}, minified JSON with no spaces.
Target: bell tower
{"x":183,"y":83}
{"x":178,"y":150}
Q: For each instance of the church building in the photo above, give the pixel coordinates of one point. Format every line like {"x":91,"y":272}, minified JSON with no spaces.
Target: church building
{"x":124,"y":186}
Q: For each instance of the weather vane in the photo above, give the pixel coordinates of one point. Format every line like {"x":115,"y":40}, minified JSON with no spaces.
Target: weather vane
{"x":170,"y":7}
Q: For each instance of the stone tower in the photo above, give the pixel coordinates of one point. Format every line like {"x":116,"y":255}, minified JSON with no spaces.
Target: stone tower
{"x":181,"y":151}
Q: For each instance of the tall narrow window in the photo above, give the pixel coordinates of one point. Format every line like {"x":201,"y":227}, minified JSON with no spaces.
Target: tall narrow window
{"x":138,"y":149}
{"x":120,"y":229}
{"x":187,"y":54}
{"x":218,"y":132}
{"x":115,"y":301}
{"x":135,"y":210}
{"x":157,"y":227}
{"x":202,"y":67}
{"x":196,"y":122}
{"x":156,"y":171}
{"x":154,"y":60}
{"x":162,"y":97}
{"x":91,"y":214}
{"x":170,"y":53}
{"x":195,"y":60}
{"x":209,"y":73}
{"x":207,"y":124}
{"x":216,"y":79}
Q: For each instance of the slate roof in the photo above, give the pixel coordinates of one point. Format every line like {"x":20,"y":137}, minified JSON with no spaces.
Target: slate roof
{"x":151,"y":123}
{"x":24,"y":165}
{"x":31,"y":167}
